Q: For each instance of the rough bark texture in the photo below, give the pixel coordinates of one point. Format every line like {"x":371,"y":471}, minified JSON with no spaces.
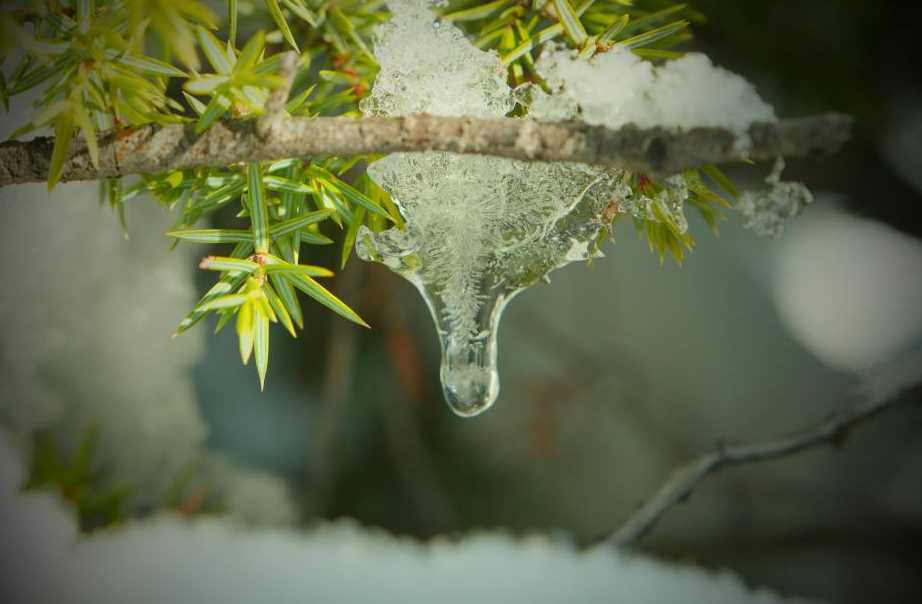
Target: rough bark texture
{"x":151,"y":148}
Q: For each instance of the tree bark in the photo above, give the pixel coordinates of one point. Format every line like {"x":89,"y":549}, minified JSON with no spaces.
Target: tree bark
{"x":152,"y":148}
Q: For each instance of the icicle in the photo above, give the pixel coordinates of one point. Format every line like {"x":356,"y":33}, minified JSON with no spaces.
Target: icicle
{"x":479,"y":231}
{"x":470,"y":379}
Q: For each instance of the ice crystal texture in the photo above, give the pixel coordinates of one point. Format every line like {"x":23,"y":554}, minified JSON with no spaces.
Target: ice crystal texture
{"x":765,"y":211}
{"x":616,"y":88}
{"x":479,"y":229}
{"x":430,"y":67}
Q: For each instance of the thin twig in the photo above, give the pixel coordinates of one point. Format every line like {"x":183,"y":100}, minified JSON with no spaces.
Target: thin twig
{"x":275,"y":115}
{"x":151,"y":148}
{"x":683,"y":480}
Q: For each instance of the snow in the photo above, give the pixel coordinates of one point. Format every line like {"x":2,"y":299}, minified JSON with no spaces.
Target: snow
{"x":849,"y":289}
{"x":171,"y":559}
{"x":91,"y":346}
{"x":616,"y":88}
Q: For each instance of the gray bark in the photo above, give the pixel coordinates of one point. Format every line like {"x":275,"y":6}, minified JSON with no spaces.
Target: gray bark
{"x":152,"y":148}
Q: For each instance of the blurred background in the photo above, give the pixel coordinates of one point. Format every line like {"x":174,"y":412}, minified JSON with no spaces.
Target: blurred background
{"x":612,"y":374}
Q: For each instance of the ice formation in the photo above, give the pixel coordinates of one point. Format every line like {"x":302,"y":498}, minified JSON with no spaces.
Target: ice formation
{"x":430,"y":67}
{"x":766,"y":210}
{"x":480,"y":229}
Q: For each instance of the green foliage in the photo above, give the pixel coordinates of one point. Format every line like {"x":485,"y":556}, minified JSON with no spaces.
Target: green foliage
{"x":519,"y":30}
{"x":82,"y":481}
{"x":90,"y":63}
{"x":110,"y":65}
{"x":241,"y":81}
{"x":286,"y":203}
{"x":79,"y":480}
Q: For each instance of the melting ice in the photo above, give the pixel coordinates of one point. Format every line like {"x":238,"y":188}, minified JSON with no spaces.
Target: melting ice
{"x":480,"y":229}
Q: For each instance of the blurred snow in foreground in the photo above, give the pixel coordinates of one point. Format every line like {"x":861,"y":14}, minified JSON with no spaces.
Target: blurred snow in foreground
{"x":168,"y":559}
{"x":850,"y":290}
{"x":90,"y":345}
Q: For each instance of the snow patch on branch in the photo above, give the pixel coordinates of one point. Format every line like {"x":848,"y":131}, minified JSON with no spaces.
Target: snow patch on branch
{"x":616,"y":88}
{"x":848,"y":289}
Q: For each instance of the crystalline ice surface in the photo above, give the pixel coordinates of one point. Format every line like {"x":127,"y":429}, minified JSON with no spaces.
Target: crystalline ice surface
{"x":430,"y":67}
{"x":479,"y":229}
{"x":765,"y":211}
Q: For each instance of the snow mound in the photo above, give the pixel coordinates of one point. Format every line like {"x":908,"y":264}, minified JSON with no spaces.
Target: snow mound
{"x":99,"y":309}
{"x":170,"y":559}
{"x":616,"y":88}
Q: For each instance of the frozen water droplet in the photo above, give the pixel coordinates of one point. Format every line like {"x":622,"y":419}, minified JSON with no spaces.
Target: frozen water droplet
{"x":470,"y":380}
{"x":479,"y":231}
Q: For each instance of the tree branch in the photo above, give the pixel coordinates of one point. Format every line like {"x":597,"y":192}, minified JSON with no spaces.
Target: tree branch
{"x":267,"y":126}
{"x":683,"y":480}
{"x":152,"y":148}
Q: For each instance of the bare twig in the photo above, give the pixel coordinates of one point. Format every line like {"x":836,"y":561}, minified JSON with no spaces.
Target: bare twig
{"x":267,"y":125}
{"x":683,"y":480}
{"x":151,"y":148}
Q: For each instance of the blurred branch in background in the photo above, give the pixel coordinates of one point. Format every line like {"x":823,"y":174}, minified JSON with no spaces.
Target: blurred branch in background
{"x":682,"y":482}
{"x":585,"y":370}
{"x":406,"y":445}
{"x":337,"y":382}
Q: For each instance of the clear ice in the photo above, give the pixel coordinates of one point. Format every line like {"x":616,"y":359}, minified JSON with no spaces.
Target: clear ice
{"x":481,"y":229}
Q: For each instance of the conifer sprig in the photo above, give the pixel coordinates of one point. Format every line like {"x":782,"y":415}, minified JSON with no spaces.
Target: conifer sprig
{"x":114,"y":65}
